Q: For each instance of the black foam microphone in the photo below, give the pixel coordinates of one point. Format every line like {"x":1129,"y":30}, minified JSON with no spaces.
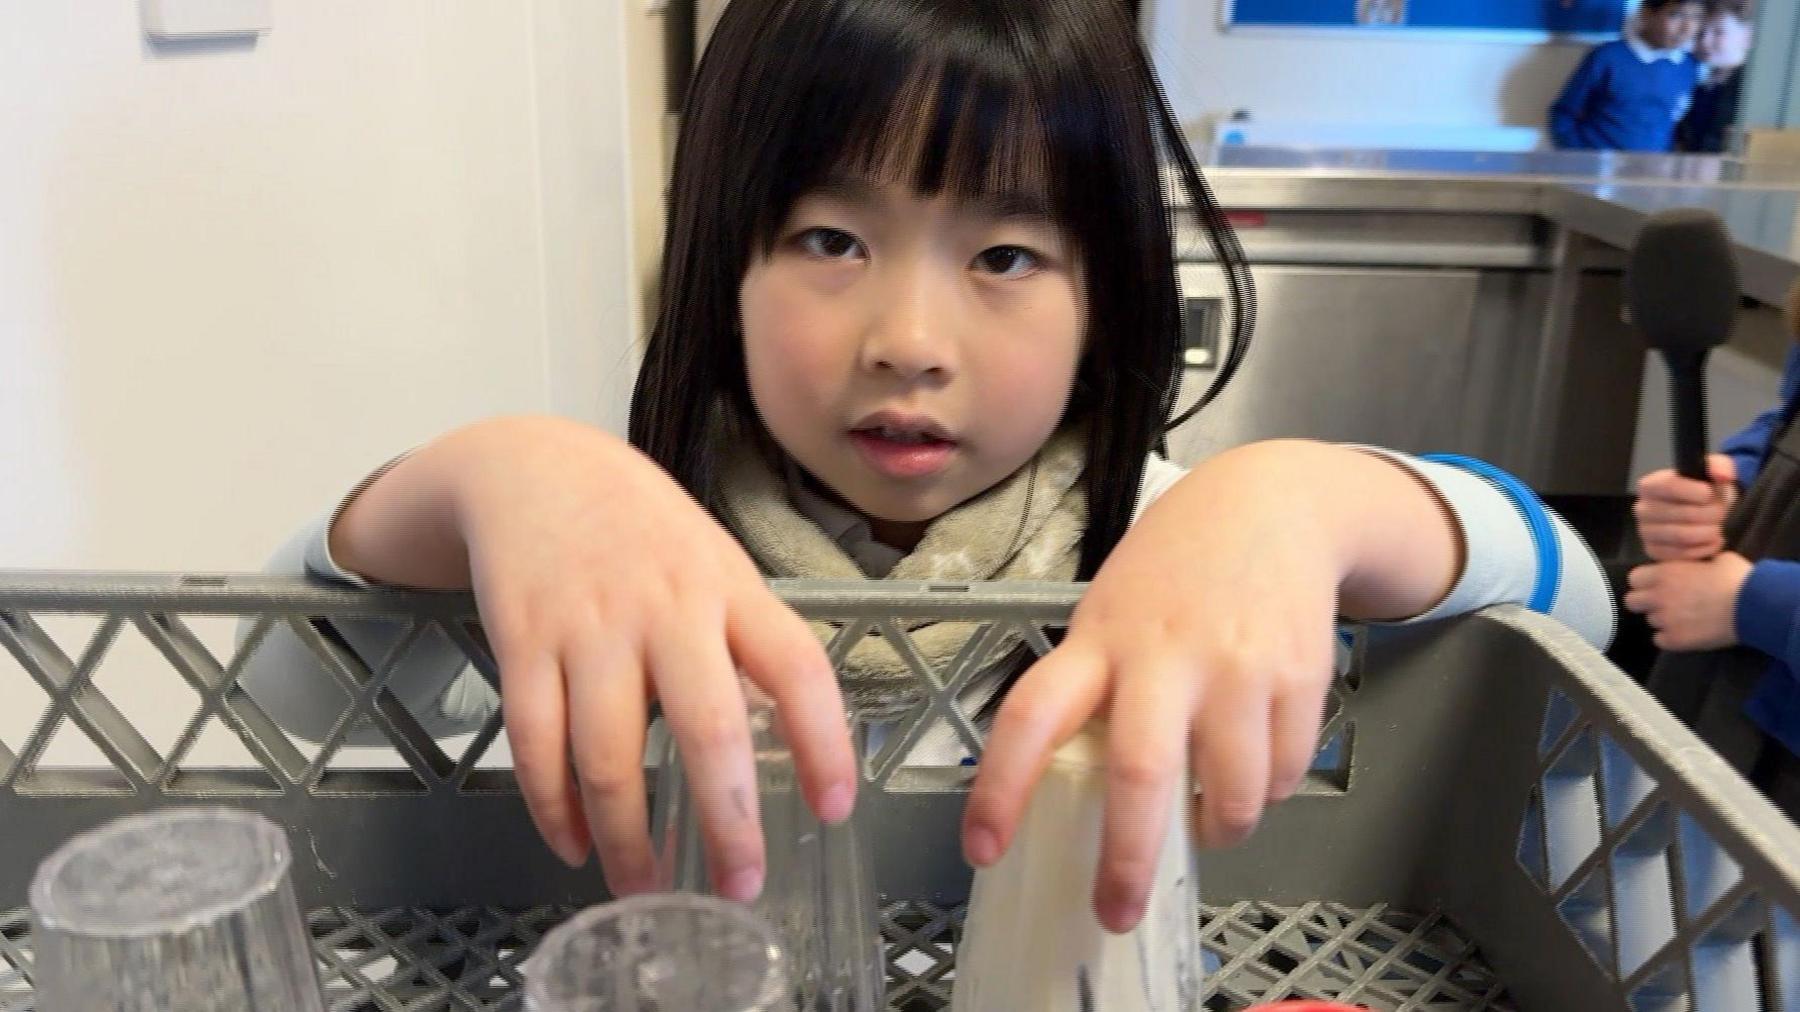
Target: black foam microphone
{"x":1682,"y":291}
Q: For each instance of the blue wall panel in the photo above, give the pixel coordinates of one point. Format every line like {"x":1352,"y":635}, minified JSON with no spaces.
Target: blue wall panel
{"x":1309,"y":13}
{"x":1599,"y":16}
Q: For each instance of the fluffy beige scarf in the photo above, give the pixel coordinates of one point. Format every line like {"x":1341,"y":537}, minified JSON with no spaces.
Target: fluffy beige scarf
{"x":1027,"y":527}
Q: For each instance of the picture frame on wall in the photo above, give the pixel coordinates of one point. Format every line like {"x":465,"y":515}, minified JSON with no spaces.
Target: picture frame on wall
{"x":1584,"y":21}
{"x":1390,"y":13}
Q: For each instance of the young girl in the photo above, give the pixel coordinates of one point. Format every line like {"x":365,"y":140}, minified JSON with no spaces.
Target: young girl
{"x":920,"y":321}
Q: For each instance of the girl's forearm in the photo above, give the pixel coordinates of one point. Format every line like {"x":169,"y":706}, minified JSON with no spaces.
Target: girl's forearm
{"x":401,"y":528}
{"x":1396,"y":547}
{"x":407,"y":527}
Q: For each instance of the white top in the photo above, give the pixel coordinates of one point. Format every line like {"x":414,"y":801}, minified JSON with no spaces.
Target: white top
{"x":1501,"y":565}
{"x":1649,"y":54}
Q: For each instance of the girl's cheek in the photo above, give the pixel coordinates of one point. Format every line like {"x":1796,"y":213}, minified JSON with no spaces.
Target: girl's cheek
{"x":1034,"y":381}
{"x":790,"y":339}
{"x":771,"y":311}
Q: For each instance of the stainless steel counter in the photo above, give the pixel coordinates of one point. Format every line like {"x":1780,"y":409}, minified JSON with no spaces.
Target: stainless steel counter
{"x":1459,"y":300}
{"x":1541,"y":166}
{"x":1604,"y":195}
{"x":1762,"y":222}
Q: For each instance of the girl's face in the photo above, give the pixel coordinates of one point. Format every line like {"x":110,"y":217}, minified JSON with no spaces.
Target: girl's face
{"x":910,"y":352}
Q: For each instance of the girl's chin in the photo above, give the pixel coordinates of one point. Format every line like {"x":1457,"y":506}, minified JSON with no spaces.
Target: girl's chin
{"x":890,"y":511}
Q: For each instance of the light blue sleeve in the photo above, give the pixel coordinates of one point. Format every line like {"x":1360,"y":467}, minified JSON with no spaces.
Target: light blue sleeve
{"x":1516,"y":549}
{"x":434,"y":680}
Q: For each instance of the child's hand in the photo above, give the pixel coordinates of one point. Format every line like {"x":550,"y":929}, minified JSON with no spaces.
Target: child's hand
{"x":1691,"y":605}
{"x":1206,"y":639}
{"x":601,"y":584}
{"x":1680,"y":518}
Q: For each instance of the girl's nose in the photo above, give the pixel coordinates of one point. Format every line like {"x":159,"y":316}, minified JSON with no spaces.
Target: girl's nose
{"x":911,"y":334}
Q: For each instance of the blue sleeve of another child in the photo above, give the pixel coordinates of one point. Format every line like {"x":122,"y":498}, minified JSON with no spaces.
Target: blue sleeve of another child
{"x":1570,"y":108}
{"x":1747,"y":446}
{"x":1768,"y":610}
{"x":1768,"y":606}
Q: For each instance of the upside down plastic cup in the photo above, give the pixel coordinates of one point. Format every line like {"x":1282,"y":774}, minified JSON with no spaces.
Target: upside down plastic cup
{"x":1030,"y":938}
{"x":186,"y":908}
{"x":818,"y":890}
{"x":661,"y":952}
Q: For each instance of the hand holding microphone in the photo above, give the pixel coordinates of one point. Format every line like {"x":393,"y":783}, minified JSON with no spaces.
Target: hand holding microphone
{"x":1680,"y":518}
{"x":1681,"y":289}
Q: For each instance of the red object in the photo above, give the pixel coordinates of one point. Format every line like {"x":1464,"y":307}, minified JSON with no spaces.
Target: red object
{"x":1307,"y":1006}
{"x":1257,"y":219}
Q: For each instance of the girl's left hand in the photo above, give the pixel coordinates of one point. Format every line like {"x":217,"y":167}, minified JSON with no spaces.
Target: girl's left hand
{"x":1209,"y":644}
{"x":1207,"y":638}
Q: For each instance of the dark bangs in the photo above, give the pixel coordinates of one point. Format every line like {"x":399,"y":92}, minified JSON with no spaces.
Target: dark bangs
{"x":921,"y":106}
{"x":1050,"y":103}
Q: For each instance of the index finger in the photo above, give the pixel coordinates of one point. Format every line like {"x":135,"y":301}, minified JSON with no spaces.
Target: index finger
{"x":705,"y":709}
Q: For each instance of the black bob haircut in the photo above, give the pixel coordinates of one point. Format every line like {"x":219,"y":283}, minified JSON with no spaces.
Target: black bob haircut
{"x":974,"y":98}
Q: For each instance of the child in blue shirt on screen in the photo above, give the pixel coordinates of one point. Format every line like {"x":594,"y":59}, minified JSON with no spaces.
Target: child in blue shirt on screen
{"x":1627,"y":95}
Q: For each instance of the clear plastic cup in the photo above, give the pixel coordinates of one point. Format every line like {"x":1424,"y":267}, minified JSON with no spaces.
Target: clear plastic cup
{"x":185,"y":908}
{"x":664,"y":952}
{"x":819,"y":891}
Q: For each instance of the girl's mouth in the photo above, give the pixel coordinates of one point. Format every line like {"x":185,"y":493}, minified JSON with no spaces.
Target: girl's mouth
{"x":903,"y":453}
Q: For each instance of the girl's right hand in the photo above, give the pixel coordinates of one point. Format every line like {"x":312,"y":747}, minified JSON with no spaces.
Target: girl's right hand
{"x":601,"y":585}
{"x":1680,"y":518}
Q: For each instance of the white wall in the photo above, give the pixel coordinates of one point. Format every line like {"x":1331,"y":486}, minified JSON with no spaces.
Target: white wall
{"x":234,"y":277}
{"x":1366,"y":79}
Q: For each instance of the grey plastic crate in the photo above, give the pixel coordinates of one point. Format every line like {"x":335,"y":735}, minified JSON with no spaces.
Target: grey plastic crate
{"x":1498,"y":818}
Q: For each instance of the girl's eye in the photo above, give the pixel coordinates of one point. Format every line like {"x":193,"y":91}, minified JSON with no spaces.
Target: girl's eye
{"x":1008,"y":261}
{"x":829,"y":244}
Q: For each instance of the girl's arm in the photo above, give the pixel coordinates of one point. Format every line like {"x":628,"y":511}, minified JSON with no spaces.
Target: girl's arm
{"x":1516,"y":550}
{"x":1209,"y":634}
{"x":287,"y":679}
{"x":599,"y":581}
{"x":1397,"y":544}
